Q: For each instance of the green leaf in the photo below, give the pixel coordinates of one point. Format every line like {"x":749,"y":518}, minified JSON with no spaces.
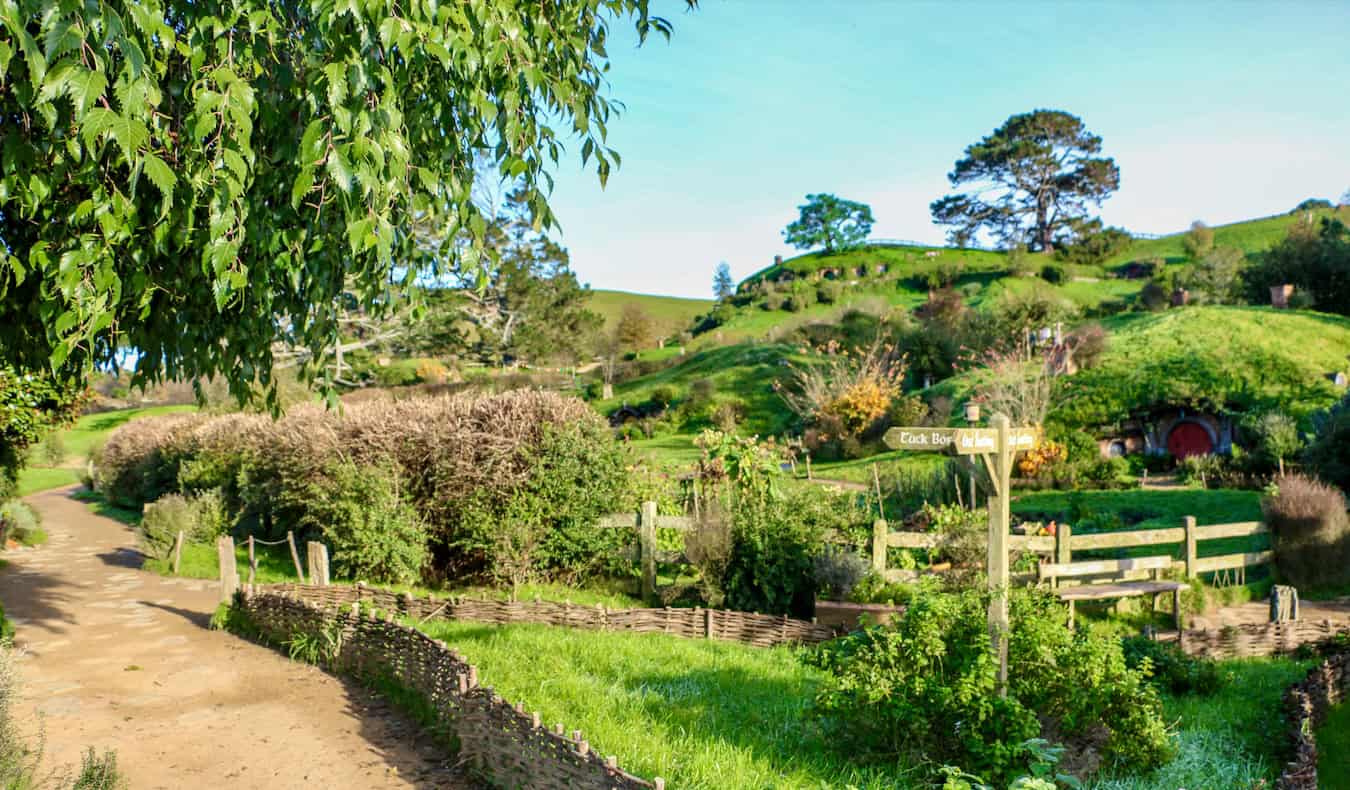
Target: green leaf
{"x":236,"y":164}
{"x":89,"y":90}
{"x":337,"y":83}
{"x":338,"y":168}
{"x":161,"y":176}
{"x":310,"y":148}
{"x":304,"y":182}
{"x":5,"y":54}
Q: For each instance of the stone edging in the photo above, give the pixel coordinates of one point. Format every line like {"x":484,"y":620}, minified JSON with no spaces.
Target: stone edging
{"x":1306,"y":704}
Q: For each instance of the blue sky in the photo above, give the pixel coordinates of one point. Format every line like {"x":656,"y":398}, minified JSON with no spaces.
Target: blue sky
{"x":1213,"y":111}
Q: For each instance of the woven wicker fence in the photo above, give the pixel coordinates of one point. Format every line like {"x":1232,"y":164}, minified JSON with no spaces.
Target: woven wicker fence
{"x":502,"y":742}
{"x":1306,"y":704}
{"x":758,"y":630}
{"x":1255,"y":640}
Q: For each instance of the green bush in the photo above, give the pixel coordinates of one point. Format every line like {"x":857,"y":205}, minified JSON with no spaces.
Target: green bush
{"x":6,"y":630}
{"x":1053,"y":273}
{"x":829,"y":291}
{"x":924,"y":690}
{"x":52,"y":451}
{"x":201,"y":518}
{"x":374,"y":533}
{"x":1309,"y":531}
{"x":99,"y":772}
{"x":1169,"y":668}
{"x":19,"y":522}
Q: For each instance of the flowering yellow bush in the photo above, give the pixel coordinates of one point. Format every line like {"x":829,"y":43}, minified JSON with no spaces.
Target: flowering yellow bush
{"x":863,"y":403}
{"x":1042,"y":457}
{"x":432,"y":372}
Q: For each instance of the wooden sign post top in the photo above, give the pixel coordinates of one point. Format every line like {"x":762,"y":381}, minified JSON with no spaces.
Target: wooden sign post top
{"x":996,"y":447}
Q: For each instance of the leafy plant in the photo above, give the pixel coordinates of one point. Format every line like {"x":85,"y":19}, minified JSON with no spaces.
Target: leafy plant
{"x":236,"y":170}
{"x":850,"y":388}
{"x":99,"y":772}
{"x":925,"y":689}
{"x":830,"y":222}
{"x":361,"y":512}
{"x":1168,"y":668}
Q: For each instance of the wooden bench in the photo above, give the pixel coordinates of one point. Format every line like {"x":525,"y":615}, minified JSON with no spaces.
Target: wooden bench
{"x":1052,"y":572}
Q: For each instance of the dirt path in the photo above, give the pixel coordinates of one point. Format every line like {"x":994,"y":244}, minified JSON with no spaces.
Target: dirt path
{"x":120,"y":658}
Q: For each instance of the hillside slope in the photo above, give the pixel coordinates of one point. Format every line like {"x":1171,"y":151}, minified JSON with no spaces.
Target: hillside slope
{"x":1236,"y":358}
{"x":671,"y":313}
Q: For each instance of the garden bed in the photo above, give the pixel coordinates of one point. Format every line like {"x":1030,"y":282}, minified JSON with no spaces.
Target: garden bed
{"x":847,"y":616}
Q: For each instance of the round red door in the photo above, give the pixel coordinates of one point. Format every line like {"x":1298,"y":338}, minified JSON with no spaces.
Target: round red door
{"x":1189,"y":439}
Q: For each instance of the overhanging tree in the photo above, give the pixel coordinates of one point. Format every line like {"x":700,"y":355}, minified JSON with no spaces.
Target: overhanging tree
{"x":1027,"y":181}
{"x":197,"y":181}
{"x":830,"y":222}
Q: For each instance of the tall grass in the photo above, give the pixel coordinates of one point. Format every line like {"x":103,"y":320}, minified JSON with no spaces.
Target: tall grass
{"x":701,"y":714}
{"x":18,"y":761}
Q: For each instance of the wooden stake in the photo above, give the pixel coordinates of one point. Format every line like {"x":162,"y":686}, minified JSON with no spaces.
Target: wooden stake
{"x":252,"y":562}
{"x":876,"y":480}
{"x":229,"y":576}
{"x":295,"y":557}
{"x":177,"y":552}
{"x":647,"y":549}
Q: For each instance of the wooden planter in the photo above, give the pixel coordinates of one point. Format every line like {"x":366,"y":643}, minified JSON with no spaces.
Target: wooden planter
{"x":845,"y":616}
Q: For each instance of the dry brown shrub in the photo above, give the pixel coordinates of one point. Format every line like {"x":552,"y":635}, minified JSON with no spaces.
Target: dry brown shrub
{"x":1310,"y":532}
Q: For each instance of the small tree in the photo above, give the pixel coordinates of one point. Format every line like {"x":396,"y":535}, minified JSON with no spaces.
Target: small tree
{"x":1217,"y":278}
{"x":1277,"y":437}
{"x":1345,"y":198}
{"x":723,"y":286}
{"x":636,"y":328}
{"x":1018,"y":385}
{"x":1198,"y":240}
{"x":830,"y":222}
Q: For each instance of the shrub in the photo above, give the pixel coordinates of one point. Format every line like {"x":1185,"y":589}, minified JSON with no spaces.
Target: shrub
{"x":1310,"y":532}
{"x":1088,"y":342}
{"x":829,"y":291}
{"x":662,"y":396}
{"x":201,"y":518}
{"x":459,"y":458}
{"x":775,"y":542}
{"x":431,"y":371}
{"x":1053,"y":273}
{"x":1275,"y":437}
{"x":375,"y":534}
{"x":925,"y":690}
{"x":20,"y":522}
{"x":99,"y":772}
{"x":838,"y":571}
{"x":1201,"y":469}
{"x":18,"y":765}
{"x":1168,"y":668}
{"x":53,"y":450}
{"x":1198,"y":240}
{"x":854,"y":388}
{"x":1217,"y":277}
{"x":1153,"y":296}
{"x":708,"y":546}
{"x":1329,"y":452}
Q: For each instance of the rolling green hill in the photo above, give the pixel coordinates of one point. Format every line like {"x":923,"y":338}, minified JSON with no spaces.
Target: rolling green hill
{"x":1250,"y":236}
{"x":672,"y":313}
{"x":1236,"y":358}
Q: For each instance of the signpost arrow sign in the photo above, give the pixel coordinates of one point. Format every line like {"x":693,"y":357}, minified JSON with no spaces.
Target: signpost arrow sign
{"x":933,"y":439}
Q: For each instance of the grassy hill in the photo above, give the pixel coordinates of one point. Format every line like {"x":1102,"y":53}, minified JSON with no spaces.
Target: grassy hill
{"x":1250,"y":236}
{"x":672,"y":313}
{"x":1223,"y":357}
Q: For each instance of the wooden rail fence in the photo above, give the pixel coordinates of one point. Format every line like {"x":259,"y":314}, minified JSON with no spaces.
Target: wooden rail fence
{"x":646,"y":521}
{"x":1064,"y":543}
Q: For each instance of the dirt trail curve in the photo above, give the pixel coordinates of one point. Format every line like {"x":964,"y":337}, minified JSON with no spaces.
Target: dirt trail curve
{"x":120,"y":658}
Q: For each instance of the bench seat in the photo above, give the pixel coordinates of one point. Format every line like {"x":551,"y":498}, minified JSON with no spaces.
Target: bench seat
{"x":1099,"y":592}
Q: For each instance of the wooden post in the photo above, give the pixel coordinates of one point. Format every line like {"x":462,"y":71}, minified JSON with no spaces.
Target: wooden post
{"x":876,"y":479}
{"x":229,"y":575}
{"x":295,"y":557}
{"x":879,"y":530}
{"x":252,"y":562}
{"x":647,"y":549}
{"x":1000,"y":517}
{"x":177,"y":552}
{"x":1192,"y":566}
{"x":808,"y":467}
{"x":1063,"y":544}
{"x":317,"y":555}
{"x":973,"y":503}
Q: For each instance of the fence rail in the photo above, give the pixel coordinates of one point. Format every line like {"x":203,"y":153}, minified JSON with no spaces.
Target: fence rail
{"x":1065,"y":542}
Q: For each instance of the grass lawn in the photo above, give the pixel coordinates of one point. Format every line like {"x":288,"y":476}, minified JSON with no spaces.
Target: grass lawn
{"x":1333,"y":747}
{"x":705,"y":714}
{"x":201,"y":562}
{"x":671,"y":313}
{"x":34,"y":479}
{"x":1225,"y":741}
{"x":79,"y":440}
{"x":699,"y":713}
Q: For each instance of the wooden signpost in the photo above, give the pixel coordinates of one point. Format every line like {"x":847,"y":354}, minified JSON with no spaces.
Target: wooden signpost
{"x":996,"y":447}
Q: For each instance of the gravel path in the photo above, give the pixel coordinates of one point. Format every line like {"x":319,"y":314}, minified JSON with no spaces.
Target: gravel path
{"x":115,"y":657}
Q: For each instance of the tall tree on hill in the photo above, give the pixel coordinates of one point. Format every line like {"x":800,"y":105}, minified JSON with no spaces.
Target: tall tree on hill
{"x":182,"y":177}
{"x":1028,"y":180}
{"x":723,"y":286}
{"x":636,"y":329}
{"x":830,"y":222}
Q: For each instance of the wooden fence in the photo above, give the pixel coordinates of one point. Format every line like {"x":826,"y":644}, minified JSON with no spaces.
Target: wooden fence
{"x":756,"y":630}
{"x":1062,"y":546}
{"x":509,"y":747}
{"x":1306,"y":705}
{"x":646,"y":522}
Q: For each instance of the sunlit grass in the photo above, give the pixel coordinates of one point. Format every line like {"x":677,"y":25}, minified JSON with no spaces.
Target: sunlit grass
{"x":1333,"y":748}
